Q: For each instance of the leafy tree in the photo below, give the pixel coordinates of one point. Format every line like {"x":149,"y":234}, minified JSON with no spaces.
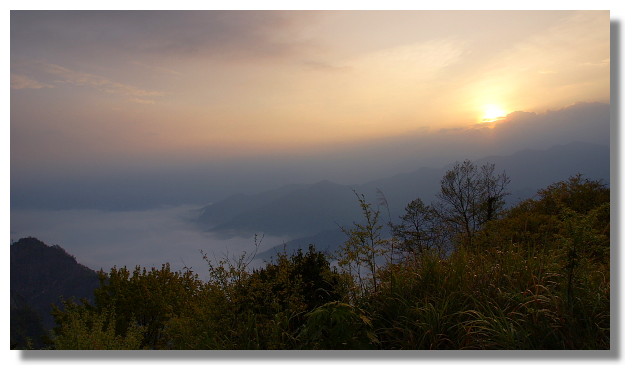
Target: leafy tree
{"x":292,"y":286}
{"x":576,"y":193}
{"x":230,"y":276}
{"x":319,"y":283}
{"x":82,"y":327}
{"x":538,"y":222}
{"x":337,"y":325}
{"x":256,"y":309}
{"x":143,"y":298}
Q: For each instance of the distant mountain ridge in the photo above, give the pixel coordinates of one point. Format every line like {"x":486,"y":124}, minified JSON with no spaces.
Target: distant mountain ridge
{"x":531,"y":170}
{"x":300,"y":211}
{"x":304,"y":211}
{"x":234,"y":205}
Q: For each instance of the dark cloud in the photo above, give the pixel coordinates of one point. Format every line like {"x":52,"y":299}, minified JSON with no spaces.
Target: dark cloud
{"x":581,"y":122}
{"x":182,"y":34}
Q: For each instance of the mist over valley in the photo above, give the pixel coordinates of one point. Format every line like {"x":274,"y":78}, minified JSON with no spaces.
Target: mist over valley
{"x":288,"y":217}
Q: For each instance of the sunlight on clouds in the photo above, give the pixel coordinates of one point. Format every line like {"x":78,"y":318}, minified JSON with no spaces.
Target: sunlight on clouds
{"x":293,"y":107}
{"x":548,"y":70}
{"x":493,"y":112}
{"x":397,"y":81}
{"x":361,"y":98}
{"x":340,"y":79}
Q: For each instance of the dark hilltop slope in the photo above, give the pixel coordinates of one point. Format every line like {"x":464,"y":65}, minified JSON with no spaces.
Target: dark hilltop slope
{"x":43,"y":275}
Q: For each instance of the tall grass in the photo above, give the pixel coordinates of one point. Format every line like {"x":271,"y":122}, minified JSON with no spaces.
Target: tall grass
{"x":514,"y":298}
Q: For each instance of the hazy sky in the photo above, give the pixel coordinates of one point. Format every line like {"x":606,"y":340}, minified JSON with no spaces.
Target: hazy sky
{"x":101,"y":96}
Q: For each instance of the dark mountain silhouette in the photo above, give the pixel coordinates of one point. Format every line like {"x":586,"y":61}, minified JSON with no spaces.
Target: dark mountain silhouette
{"x":43,"y":275}
{"x":310,"y":212}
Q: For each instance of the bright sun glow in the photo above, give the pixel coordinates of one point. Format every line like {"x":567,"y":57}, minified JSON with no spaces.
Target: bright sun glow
{"x":493,"y":112}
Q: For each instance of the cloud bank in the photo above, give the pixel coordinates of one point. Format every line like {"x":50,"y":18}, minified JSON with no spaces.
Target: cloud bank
{"x":124,"y":185}
{"x":149,"y":238}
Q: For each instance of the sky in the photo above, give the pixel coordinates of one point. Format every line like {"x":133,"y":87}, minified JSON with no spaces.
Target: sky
{"x":123,"y":122}
{"x":100,"y":99}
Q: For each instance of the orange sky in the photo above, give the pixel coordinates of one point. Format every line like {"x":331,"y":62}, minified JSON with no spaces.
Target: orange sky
{"x":220,"y":85}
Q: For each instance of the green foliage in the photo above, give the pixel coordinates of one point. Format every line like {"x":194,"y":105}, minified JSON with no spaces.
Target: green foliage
{"x":338,"y":325}
{"x":540,"y":223}
{"x":260,"y":309}
{"x":497,"y":300}
{"x":148,"y":298}
{"x":577,"y":193}
{"x":81,"y":327}
{"x":536,"y":276}
{"x":303,"y":280}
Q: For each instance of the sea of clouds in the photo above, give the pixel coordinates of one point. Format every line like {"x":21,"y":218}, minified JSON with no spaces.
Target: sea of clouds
{"x":149,"y":238}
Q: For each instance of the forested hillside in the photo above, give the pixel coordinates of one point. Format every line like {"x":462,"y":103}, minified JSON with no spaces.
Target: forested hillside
{"x":457,"y":272}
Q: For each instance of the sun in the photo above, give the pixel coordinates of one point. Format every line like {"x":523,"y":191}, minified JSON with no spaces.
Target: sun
{"x":493,"y":112}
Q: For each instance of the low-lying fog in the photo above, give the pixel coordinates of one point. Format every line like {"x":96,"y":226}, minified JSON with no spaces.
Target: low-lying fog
{"x":149,"y":238}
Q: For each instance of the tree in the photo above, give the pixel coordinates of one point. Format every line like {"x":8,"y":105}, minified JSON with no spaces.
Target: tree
{"x":147,"y":298}
{"x":82,"y":327}
{"x":361,"y":253}
{"x":471,"y":196}
{"x":336,"y":326}
{"x":416,"y":233}
{"x":319,"y":283}
{"x":265,"y":308}
{"x":576,"y":193}
{"x":538,"y":221}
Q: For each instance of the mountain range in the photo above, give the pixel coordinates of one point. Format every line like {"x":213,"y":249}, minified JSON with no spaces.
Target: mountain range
{"x":313,"y":213}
